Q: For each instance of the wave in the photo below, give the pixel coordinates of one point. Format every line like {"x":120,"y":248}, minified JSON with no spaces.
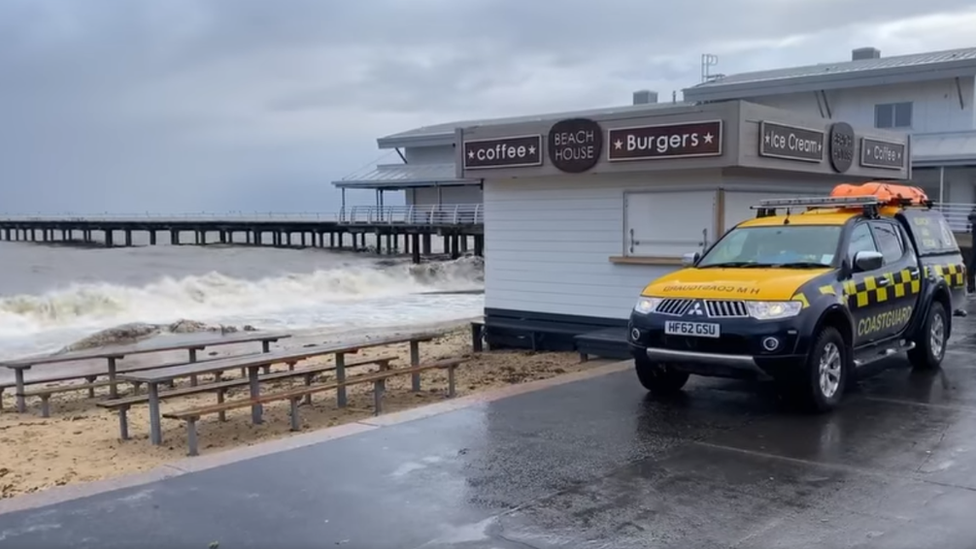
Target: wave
{"x":214,"y":295}
{"x":138,"y":331}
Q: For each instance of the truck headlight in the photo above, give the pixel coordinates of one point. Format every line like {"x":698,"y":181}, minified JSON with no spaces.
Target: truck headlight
{"x":647,"y":304}
{"x":770,"y":310}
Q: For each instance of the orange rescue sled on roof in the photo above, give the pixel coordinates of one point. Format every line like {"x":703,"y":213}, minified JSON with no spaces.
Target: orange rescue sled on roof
{"x":885,"y":192}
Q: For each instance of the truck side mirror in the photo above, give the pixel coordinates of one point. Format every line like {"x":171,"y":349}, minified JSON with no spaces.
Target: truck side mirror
{"x":867,"y":261}
{"x":687,"y":260}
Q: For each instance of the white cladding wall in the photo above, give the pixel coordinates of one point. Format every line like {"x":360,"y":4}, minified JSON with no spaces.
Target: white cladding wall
{"x":429,"y":155}
{"x":548,"y":241}
{"x":935,"y":104}
{"x":425,"y":196}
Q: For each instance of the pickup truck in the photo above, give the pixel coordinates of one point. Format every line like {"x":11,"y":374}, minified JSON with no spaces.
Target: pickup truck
{"x":807,"y":298}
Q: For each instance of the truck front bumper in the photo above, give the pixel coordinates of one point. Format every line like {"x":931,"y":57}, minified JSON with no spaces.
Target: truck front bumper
{"x":740,"y":352}
{"x":724,"y":365}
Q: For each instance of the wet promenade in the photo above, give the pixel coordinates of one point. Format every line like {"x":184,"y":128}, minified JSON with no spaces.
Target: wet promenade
{"x":592,"y":463}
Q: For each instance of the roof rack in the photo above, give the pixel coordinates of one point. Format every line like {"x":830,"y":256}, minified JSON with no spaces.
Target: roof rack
{"x":816,"y":201}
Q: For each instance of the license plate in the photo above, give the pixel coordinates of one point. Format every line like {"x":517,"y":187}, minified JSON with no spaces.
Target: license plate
{"x":696,"y":329}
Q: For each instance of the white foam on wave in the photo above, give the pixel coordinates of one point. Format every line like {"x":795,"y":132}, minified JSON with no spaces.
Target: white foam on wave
{"x":351,"y":294}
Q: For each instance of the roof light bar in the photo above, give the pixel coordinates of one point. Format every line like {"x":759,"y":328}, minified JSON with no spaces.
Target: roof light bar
{"x":817,"y":201}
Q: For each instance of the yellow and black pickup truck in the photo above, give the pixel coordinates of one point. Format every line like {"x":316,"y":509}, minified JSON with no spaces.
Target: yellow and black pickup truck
{"x":806,"y":293}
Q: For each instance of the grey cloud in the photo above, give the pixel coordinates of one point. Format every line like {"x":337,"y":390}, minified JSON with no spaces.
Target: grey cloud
{"x":567,"y":25}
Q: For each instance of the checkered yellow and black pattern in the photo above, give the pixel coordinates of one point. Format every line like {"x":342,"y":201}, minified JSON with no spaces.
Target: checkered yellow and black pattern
{"x":827,"y":289}
{"x":871,"y":291}
{"x":953,"y":273}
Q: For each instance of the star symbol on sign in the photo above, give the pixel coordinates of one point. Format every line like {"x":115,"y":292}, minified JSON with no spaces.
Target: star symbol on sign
{"x":766,"y":138}
{"x":531,"y":150}
{"x":709,"y":137}
{"x":618,"y":144}
{"x":470,"y":154}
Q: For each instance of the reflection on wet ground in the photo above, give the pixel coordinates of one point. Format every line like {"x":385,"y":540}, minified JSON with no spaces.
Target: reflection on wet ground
{"x":589,"y":464}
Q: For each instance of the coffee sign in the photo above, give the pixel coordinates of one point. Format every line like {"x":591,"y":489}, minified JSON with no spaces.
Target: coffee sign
{"x":876,"y":153}
{"x":682,"y":140}
{"x":504,"y":152}
{"x":575,"y":145}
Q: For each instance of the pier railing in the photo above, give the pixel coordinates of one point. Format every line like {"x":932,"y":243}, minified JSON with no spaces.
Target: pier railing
{"x":235,"y":216}
{"x":454,"y":214}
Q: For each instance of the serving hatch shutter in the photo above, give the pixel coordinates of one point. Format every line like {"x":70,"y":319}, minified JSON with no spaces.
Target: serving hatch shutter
{"x":738,"y":204}
{"x":668,"y":223}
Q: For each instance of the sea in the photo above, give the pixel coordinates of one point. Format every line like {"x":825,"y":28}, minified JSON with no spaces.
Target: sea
{"x":54,"y":295}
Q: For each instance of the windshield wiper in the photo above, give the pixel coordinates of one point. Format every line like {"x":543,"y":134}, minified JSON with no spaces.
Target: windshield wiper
{"x":734,"y":265}
{"x":802,"y":265}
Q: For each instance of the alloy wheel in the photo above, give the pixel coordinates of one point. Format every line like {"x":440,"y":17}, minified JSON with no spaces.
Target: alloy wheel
{"x":830,"y":370}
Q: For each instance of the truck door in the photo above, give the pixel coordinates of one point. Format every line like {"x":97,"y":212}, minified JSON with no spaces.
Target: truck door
{"x":897,"y":287}
{"x":860,"y":288}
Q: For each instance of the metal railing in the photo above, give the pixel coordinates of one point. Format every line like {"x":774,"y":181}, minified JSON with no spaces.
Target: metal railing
{"x":956,"y":214}
{"x":454,"y":214}
{"x":233,"y":216}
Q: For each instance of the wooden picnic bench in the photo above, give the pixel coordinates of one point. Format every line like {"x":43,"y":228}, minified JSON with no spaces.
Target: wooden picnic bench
{"x":152,"y":378}
{"x":222,"y":386}
{"x":378,"y":379}
{"x":191,"y":344}
{"x":45,"y":393}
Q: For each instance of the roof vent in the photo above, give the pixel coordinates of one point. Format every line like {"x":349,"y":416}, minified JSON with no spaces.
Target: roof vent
{"x":860,"y":54}
{"x":643,"y":97}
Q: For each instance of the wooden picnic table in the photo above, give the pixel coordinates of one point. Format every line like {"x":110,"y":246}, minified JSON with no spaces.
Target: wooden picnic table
{"x":153,"y":378}
{"x":192,"y":343}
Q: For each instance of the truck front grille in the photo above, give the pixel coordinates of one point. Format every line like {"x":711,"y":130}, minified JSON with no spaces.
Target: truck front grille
{"x":714,"y":308}
{"x":726,"y":309}
{"x":674,"y":307}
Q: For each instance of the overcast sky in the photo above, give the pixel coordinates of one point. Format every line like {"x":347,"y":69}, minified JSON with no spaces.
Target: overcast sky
{"x":218,"y":105}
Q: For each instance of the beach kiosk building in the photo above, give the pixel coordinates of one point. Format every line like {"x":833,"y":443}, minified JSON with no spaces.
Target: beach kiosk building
{"x":583,"y":210}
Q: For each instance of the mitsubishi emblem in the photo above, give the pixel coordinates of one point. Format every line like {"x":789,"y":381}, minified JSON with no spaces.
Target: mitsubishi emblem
{"x":697,"y":309}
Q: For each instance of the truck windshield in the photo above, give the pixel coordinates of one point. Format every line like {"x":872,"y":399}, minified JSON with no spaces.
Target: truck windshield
{"x":788,"y":246}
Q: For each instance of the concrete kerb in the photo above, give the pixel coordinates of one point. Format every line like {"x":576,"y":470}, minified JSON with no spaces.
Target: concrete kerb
{"x":61,"y":494}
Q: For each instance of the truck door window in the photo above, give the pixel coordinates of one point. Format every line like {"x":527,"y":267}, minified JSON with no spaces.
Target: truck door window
{"x":861,"y":241}
{"x":889,"y":241}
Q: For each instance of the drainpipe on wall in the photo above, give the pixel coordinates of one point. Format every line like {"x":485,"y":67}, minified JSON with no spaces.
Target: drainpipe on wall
{"x":941,"y":184}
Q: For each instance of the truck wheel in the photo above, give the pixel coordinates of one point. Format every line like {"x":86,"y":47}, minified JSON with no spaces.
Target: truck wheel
{"x":930,"y":343}
{"x":826,"y":372}
{"x":659,"y":381}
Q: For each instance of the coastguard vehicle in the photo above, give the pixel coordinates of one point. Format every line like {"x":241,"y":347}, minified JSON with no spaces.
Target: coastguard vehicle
{"x":805,"y":294}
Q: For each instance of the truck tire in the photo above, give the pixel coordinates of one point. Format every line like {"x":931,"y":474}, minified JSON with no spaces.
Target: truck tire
{"x":825,"y":374}
{"x":659,"y":381}
{"x":930,"y":343}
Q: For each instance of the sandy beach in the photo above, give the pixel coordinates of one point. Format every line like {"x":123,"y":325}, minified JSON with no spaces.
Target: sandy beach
{"x":80,"y":442}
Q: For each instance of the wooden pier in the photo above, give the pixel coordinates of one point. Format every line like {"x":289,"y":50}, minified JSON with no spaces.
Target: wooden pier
{"x":394,"y":230}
